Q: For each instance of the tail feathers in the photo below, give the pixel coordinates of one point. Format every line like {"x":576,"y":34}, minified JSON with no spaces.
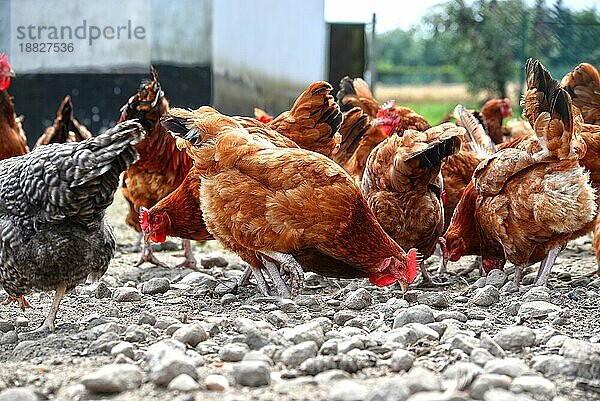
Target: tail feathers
{"x":439,"y":142}
{"x":476,"y":138}
{"x":66,"y":109}
{"x":583,"y":85}
{"x":354,"y":127}
{"x":346,"y":90}
{"x":147,"y":104}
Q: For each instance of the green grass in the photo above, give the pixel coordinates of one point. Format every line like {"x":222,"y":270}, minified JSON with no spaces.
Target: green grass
{"x":434,"y":112}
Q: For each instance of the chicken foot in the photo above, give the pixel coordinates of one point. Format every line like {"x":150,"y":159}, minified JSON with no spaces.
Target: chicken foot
{"x":190,"y":260}
{"x":426,"y":280}
{"x":280,"y":285}
{"x":148,"y":256}
{"x":289,"y":265}
{"x":546,"y":266}
{"x":477,"y":264}
{"x":261,"y":283}
{"x":23,"y":304}
{"x":48,"y":324}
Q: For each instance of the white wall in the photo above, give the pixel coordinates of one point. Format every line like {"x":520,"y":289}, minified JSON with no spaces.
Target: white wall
{"x":281,"y":39}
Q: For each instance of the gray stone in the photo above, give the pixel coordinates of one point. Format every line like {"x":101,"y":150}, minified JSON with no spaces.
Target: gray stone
{"x":293,"y":356}
{"x":21,"y":321}
{"x":485,"y":382}
{"x":166,"y":360}
{"x":538,"y":387}
{"x":464,"y":343}
{"x":401,"y":360}
{"x":421,"y":379}
{"x":391,"y":389}
{"x":113,"y":379}
{"x":481,"y":356}
{"x":147,"y":318}
{"x":359,"y":299}
{"x":341,"y":317}
{"x":102,"y":291}
{"x":10,"y":337}
{"x":216,"y":383}
{"x":162,"y":322}
{"x":537,"y":309}
{"x":355,"y":342}
{"x":444,"y":315}
{"x":513,"y":367}
{"x":126,"y":294}
{"x":439,"y":327}
{"x":537,"y":293}
{"x":415,"y":314}
{"x":331,"y":375}
{"x":245,"y":325}
{"x":18,"y":394}
{"x":492,"y":346}
{"x":329,"y":347}
{"x":556,"y":341}
{"x":156,"y":285}
{"x":184,"y":383}
{"x":5,"y":326}
{"x":122,"y":348}
{"x":233,"y":352}
{"x":498,"y":394}
{"x":277,"y":318}
{"x":311,"y":331}
{"x":434,"y":299}
{"x":347,"y":390}
{"x":585,"y":354}
{"x":554,"y":365}
{"x":486,"y":296}
{"x":252,"y":374}
{"x":135,"y":334}
{"x":515,"y":337}
{"x":214,"y":260}
{"x":190,"y":334}
{"x":509,"y":288}
{"x":496,"y":277}
{"x":434,"y":396}
{"x":258,"y":356}
{"x":199,"y":280}
{"x":466,"y":371}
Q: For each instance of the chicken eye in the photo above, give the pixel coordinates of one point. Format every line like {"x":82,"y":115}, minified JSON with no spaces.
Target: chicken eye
{"x":158,"y":219}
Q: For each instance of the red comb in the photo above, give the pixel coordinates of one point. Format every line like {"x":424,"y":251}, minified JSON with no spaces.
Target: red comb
{"x":413,"y":258}
{"x":388,"y":105}
{"x":144,"y":213}
{"x":3,"y":58}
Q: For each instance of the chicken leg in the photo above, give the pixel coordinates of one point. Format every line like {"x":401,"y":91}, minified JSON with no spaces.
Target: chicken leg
{"x":289,"y":265}
{"x":546,"y":266}
{"x":148,"y":256}
{"x":426,"y":280}
{"x":19,"y":300}
{"x":190,"y":259}
{"x":48,"y":324}
{"x":282,"y":289}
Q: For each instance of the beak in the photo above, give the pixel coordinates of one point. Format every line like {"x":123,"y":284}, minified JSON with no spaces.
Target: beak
{"x":11,"y":73}
{"x":181,"y":143}
{"x":376,"y":122}
{"x":404,"y":286}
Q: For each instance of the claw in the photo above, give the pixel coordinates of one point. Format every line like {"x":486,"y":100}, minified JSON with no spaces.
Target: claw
{"x":20,"y":300}
{"x":148,"y":256}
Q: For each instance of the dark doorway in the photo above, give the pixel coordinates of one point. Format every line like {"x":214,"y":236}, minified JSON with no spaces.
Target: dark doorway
{"x":347,"y":51}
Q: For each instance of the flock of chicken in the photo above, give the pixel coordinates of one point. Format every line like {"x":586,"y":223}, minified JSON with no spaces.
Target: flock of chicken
{"x":345,"y":189}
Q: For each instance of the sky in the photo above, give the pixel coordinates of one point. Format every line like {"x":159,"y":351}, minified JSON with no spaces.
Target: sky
{"x":392,"y":14}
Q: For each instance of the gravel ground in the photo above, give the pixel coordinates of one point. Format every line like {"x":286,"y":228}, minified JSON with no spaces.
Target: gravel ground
{"x":157,"y":334}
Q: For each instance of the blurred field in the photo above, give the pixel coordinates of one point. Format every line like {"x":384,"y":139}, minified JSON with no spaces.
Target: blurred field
{"x":435,"y":101}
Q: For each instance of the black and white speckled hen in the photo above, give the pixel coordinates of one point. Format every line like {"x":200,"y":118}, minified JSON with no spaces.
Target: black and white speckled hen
{"x":53,"y":232}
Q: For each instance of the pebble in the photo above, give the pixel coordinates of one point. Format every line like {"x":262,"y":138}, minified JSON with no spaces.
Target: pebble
{"x":456,"y":315}
{"x":216,"y":383}
{"x":18,"y":394}
{"x":5,"y":326}
{"x":293,"y":356}
{"x":331,"y":375}
{"x":491,"y":345}
{"x":228,"y":299}
{"x":288,"y":305}
{"x":156,"y":285}
{"x":496,"y":277}
{"x":252,"y":374}
{"x":10,"y":337}
{"x":422,"y":379}
{"x":113,"y":379}
{"x":498,"y":394}
{"x":184,"y":383}
{"x":214,"y":260}
{"x":554,"y":365}
{"x":277,"y":318}
{"x":147,"y":318}
{"x":21,"y":321}
{"x":486,"y":296}
{"x":347,"y":390}
{"x":466,"y":371}
{"x":481,"y":356}
{"x":513,"y":367}
{"x":515,"y":337}
{"x":311,"y":331}
{"x":537,"y":309}
{"x":358,"y":300}
{"x":190,"y":334}
{"x":135,"y":334}
{"x":329,"y":347}
{"x":415,"y":314}
{"x":124,"y":348}
{"x":536,"y":294}
{"x":162,"y":322}
{"x":433,"y":299}
{"x":258,"y":356}
{"x":485,"y":382}
{"x":233,"y":352}
{"x":341,"y":317}
{"x":509,"y":288}
{"x":529,"y":279}
{"x":401,"y":360}
{"x":199,"y":280}
{"x":464,"y":343}
{"x":102,"y":291}
{"x":166,"y":360}
{"x":126,"y":294}
{"x":538,"y":387}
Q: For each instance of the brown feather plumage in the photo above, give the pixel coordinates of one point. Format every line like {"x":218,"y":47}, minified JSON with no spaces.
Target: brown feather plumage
{"x":65,"y":128}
